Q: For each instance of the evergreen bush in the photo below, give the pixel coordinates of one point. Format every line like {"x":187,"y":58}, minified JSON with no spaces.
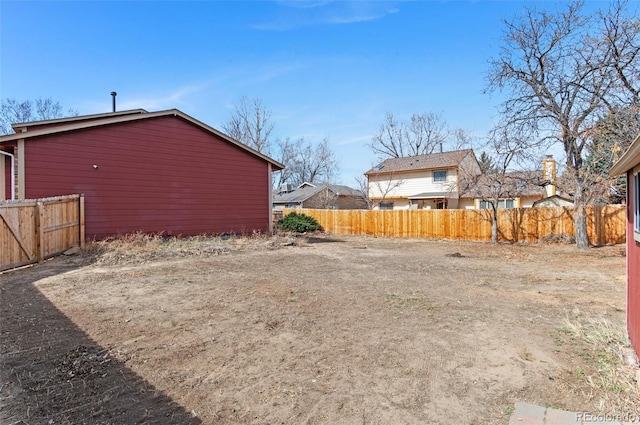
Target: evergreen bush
{"x":299,"y":223}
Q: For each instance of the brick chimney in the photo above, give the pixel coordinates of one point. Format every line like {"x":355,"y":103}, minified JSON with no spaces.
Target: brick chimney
{"x":549,"y":175}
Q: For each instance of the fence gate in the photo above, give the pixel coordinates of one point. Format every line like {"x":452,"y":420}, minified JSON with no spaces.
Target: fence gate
{"x":33,"y":230}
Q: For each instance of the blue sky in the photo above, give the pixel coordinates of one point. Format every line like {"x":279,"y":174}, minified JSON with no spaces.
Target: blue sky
{"x":324,"y":68}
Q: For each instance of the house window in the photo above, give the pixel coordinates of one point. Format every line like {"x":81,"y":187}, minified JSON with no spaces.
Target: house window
{"x":440,"y":176}
{"x":441,"y":205}
{"x":386,"y":205}
{"x":505,"y":203}
{"x":502,"y":203}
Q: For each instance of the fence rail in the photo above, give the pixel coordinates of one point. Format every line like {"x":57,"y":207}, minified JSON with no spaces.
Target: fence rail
{"x":33,"y":230}
{"x":606,"y":224}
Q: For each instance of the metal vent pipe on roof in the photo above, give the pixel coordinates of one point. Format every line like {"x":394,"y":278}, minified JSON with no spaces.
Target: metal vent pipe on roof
{"x":113,"y":100}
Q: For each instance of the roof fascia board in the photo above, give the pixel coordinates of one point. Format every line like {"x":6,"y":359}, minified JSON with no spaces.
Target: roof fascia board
{"x":80,"y":125}
{"x":107,"y":120}
{"x":18,"y":126}
{"x":306,"y":184}
{"x":176,"y":112}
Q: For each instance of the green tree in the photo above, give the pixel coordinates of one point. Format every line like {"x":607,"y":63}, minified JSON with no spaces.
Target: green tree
{"x":611,"y":138}
{"x":486,"y":163}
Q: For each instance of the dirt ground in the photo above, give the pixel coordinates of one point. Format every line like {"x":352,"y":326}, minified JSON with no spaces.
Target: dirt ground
{"x":317,"y":330}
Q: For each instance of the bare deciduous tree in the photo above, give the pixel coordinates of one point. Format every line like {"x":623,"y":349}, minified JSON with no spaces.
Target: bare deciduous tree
{"x":13,"y":111}
{"x":621,"y":44}
{"x":251,"y":124}
{"x":562,"y":71}
{"x":326,"y":199}
{"x":460,"y":139}
{"x":511,"y":149}
{"x":363,"y":188}
{"x":312,"y":163}
{"x":421,"y":135}
{"x":286,"y":153}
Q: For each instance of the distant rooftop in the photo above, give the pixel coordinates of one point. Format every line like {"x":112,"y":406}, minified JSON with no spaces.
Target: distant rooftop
{"x":421,"y":162}
{"x":307,"y":190}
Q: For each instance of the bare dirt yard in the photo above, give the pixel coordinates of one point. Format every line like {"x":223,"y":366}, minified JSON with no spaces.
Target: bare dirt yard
{"x":322,"y":329}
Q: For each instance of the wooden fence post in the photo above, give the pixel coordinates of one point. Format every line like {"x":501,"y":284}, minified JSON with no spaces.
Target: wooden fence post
{"x":81,"y":218}
{"x":40,"y":231}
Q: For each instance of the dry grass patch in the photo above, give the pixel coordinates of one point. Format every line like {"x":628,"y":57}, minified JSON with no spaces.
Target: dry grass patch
{"x":312,"y":329}
{"x":142,"y":248}
{"x":609,"y":376}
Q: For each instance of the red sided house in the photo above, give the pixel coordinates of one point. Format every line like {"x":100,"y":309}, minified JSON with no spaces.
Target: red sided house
{"x":156,"y":172}
{"x":629,"y":164}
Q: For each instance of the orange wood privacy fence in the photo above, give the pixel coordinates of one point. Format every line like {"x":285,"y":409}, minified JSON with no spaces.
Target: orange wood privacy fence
{"x":606,"y":224}
{"x":33,"y":230}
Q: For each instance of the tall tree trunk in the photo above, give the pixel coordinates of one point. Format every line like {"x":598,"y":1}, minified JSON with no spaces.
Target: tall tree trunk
{"x":580,"y":217}
{"x":494,"y":225}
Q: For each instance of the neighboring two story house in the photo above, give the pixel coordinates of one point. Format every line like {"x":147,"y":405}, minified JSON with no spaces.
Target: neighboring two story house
{"x":421,"y":182}
{"x":454,"y":180}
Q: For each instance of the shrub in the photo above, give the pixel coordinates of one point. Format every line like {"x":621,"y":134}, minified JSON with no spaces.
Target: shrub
{"x":299,"y":223}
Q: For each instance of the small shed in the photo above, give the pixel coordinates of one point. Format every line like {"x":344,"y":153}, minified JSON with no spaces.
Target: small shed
{"x":157,"y":172}
{"x":629,"y":165}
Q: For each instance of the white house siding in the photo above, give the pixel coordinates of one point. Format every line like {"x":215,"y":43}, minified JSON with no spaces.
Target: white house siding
{"x":527,"y":201}
{"x":409,"y":184}
{"x":466,"y":203}
{"x":398,"y":204}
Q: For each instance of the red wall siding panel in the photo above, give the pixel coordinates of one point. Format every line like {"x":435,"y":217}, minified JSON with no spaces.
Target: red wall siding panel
{"x":157,"y":175}
{"x":633,"y":272}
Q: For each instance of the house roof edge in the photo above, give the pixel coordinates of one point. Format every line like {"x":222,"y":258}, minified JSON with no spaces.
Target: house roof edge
{"x":630,"y":158}
{"x":89,"y":121}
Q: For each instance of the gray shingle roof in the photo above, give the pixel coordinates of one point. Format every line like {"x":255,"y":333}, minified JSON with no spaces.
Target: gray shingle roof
{"x":303,"y":193}
{"x":421,"y":162}
{"x":515,"y":183}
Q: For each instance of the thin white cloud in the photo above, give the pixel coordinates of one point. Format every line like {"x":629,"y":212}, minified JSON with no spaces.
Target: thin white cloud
{"x":298,"y":14}
{"x":356,"y":139}
{"x":162,"y":101}
{"x":303,"y":4}
{"x":276,"y":70}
